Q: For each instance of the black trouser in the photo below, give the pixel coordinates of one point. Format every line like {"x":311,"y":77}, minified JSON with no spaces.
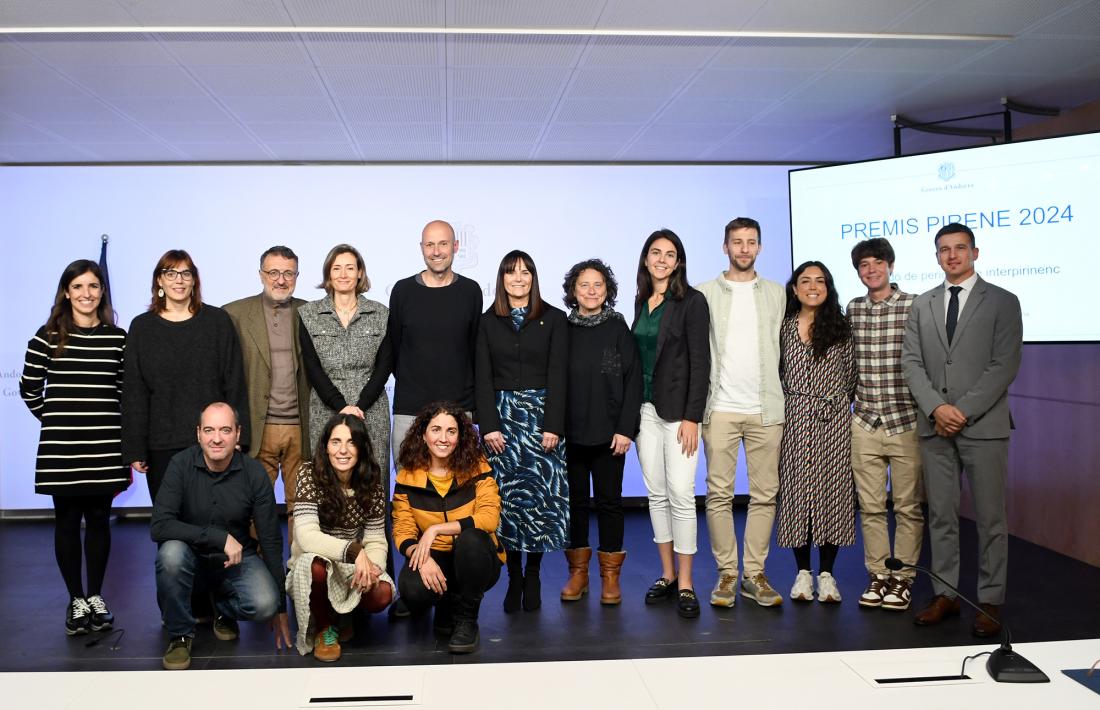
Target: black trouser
{"x":157,"y":463}
{"x":95,"y":510}
{"x":607,"y":483}
{"x":472,"y":567}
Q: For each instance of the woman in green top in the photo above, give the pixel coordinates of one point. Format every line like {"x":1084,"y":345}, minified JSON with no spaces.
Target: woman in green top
{"x":671,"y":326}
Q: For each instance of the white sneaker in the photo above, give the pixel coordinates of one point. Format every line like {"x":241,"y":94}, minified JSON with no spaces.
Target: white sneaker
{"x":803,"y":589}
{"x":827,"y":591}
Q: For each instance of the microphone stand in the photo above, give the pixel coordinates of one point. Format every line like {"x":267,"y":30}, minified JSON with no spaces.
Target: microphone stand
{"x":1004,"y":664}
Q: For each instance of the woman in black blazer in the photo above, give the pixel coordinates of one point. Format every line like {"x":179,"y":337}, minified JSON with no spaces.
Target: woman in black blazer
{"x":671,"y":327}
{"x":520,"y":385}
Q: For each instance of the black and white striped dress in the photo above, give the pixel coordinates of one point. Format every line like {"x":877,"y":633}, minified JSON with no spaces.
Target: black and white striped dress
{"x":76,"y":397}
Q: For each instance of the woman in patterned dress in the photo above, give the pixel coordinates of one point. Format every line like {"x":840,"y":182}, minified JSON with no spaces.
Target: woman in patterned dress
{"x":345,"y":354}
{"x":338,"y":556}
{"x":816,"y":489}
{"x":72,"y":383}
{"x":520,"y":373}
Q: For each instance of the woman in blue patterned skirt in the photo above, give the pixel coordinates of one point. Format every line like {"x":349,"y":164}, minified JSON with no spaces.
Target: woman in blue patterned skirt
{"x":522,"y":354}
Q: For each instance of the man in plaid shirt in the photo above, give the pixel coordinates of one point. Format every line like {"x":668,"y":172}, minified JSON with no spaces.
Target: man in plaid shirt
{"x":884,"y":430}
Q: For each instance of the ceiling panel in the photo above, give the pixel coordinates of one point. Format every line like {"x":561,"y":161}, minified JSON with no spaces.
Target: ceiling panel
{"x":134,"y":82}
{"x":579,"y":110}
{"x":97,"y":49}
{"x":404,"y":152}
{"x":363,"y":13}
{"x":862,"y":87}
{"x":299,"y":132}
{"x":523,"y":13}
{"x":1036,"y":56}
{"x":120,"y":132}
{"x":255,"y":108}
{"x":664,"y":152}
{"x":35,"y":81}
{"x":652,"y":51}
{"x":52,"y":13}
{"x":502,"y":110}
{"x":832,"y":16}
{"x":495,"y":132}
{"x":348,"y":49}
{"x":994,"y":17}
{"x":681,"y":15}
{"x":365,"y":133}
{"x":53,"y":110}
{"x":491,"y":151}
{"x":578,"y":152}
{"x":889,"y":57}
{"x":695,"y":132}
{"x":605,"y":133}
{"x":230,"y":13}
{"x":234,"y":49}
{"x":500,"y":51}
{"x":752,"y":53}
{"x":732,"y":111}
{"x":628,"y":82}
{"x":195,"y":132}
{"x":367,"y":110}
{"x":136,"y":152}
{"x":220,"y":152}
{"x":470,"y":82}
{"x":12,"y":131}
{"x":271,"y":81}
{"x":1082,"y":20}
{"x":168,"y":110}
{"x":52,"y":152}
{"x":310,"y":151}
{"x":743,"y":83}
{"x":392,"y":82}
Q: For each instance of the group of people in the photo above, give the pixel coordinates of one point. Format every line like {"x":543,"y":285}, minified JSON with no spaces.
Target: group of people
{"x":282,"y":387}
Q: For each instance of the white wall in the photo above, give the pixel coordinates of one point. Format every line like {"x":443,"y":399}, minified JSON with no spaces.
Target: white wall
{"x":225,"y":216}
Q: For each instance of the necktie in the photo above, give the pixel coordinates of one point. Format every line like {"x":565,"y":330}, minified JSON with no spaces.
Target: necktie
{"x":953,"y":312}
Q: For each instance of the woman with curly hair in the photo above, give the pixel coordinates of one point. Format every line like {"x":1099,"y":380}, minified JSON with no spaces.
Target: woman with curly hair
{"x":446,"y":509}
{"x":604,"y":403}
{"x":338,"y":555}
{"x":816,"y":488}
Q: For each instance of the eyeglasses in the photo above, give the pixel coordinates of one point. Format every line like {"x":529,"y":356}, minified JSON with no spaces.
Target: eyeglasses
{"x":176,"y":275}
{"x":274,"y":274}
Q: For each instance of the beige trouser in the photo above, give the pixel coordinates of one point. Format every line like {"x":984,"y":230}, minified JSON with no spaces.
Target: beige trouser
{"x":281,"y":450}
{"x":872,"y":452}
{"x":722,"y":439}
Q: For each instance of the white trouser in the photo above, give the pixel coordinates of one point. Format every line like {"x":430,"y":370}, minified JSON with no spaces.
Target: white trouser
{"x":670,"y":479}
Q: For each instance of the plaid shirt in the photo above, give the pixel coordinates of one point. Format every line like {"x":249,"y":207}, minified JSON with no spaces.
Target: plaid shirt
{"x":882,"y":395}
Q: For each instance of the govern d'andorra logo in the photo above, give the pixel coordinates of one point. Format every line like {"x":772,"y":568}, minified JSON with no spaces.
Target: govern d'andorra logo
{"x":946,"y":171}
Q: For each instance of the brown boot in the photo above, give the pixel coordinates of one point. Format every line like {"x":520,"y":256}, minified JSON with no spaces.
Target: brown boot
{"x":577,"y":586}
{"x":611,"y":563}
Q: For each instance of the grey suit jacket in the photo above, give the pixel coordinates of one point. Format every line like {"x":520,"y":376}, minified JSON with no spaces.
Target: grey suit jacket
{"x":248,"y":317}
{"x":974,"y":372}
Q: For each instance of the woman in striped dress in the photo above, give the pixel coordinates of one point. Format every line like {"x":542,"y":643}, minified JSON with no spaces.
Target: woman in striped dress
{"x":72,"y":382}
{"x":817,"y":500}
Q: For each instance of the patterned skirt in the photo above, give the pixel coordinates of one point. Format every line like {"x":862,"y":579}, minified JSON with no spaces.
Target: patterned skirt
{"x":534,"y":490}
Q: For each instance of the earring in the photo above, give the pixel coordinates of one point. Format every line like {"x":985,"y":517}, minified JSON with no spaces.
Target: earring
{"x":160,"y":293}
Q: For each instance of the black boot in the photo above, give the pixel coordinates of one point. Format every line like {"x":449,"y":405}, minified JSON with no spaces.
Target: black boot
{"x":513,"y":598}
{"x":532,"y":589}
{"x":466,"y":636}
{"x":444,"y":623}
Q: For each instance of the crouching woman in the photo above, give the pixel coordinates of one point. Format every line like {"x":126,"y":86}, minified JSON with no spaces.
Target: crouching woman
{"x":446,"y":509}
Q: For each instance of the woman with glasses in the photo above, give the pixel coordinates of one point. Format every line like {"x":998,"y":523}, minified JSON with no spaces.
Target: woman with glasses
{"x":72,"y":380}
{"x":182,"y":354}
{"x":346,"y":356}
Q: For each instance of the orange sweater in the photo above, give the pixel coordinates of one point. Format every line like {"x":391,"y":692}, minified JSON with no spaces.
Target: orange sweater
{"x":417,"y":506}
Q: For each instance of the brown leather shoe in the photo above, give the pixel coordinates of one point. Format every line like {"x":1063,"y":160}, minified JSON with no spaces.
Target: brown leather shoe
{"x":326,"y":645}
{"x":937,"y":610}
{"x":577,"y":586}
{"x":611,"y":564}
{"x":984,"y":627}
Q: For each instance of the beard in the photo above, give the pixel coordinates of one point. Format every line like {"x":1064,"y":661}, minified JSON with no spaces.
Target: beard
{"x":743,"y":269}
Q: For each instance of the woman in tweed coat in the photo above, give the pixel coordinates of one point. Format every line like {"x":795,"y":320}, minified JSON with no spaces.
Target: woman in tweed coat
{"x":345,"y":352}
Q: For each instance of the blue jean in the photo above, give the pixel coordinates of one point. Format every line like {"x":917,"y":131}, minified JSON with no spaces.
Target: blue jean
{"x":245,"y":592}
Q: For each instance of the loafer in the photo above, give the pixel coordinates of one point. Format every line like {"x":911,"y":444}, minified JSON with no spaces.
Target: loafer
{"x":984,"y":626}
{"x":937,"y":610}
{"x":660,"y":590}
{"x":687,"y":604}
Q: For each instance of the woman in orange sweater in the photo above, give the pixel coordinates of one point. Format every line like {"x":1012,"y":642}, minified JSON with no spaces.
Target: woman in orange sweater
{"x":446,"y":509}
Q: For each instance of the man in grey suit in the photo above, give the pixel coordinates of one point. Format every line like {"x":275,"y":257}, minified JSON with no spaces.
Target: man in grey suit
{"x":961,"y":352}
{"x":278,"y":391}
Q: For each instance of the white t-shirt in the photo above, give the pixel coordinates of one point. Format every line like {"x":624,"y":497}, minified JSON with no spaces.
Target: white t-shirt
{"x":739,"y":373}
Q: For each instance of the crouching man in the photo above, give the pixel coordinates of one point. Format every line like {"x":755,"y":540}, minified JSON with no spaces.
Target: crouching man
{"x":210,"y":494}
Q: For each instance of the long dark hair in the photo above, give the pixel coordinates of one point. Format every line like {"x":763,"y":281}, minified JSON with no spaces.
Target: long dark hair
{"x":677,"y":282}
{"x":511,"y":260}
{"x":169,"y":261}
{"x":830,"y":325}
{"x":60,"y":323}
{"x":465,"y":460}
{"x":366,"y":479}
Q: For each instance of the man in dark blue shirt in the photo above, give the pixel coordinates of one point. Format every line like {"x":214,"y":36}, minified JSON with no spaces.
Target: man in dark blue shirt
{"x":210,"y":494}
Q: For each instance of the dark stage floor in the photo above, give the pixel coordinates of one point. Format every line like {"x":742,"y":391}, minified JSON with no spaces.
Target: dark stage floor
{"x":1051,"y":597}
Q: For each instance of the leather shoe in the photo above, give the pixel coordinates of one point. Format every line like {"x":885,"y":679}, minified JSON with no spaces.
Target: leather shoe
{"x":984,"y":627}
{"x":937,"y":610}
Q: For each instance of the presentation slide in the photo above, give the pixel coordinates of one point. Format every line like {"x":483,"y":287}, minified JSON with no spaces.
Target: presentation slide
{"x":225,"y":216}
{"x":1032,"y":207}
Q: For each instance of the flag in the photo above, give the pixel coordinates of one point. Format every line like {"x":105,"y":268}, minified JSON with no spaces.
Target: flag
{"x":103,"y":268}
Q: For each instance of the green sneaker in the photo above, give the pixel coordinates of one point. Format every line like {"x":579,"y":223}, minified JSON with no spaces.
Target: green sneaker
{"x":225,"y":628}
{"x":178,"y":655}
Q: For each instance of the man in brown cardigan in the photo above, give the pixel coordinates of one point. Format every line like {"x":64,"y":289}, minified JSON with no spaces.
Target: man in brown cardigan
{"x":278,"y":393}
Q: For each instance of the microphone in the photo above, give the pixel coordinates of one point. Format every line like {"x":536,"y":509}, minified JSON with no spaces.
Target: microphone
{"x":1004,"y":664}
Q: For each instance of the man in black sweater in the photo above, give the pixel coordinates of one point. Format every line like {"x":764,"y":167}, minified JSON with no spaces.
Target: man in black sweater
{"x":211,"y":492}
{"x":433,"y":331}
